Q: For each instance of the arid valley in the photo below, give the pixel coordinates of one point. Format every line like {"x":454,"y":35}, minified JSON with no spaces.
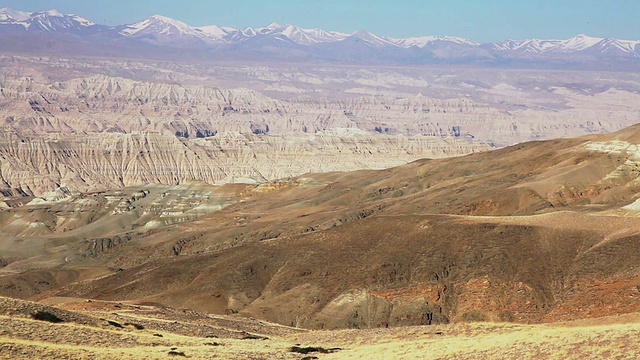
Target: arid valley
{"x":280,"y":209}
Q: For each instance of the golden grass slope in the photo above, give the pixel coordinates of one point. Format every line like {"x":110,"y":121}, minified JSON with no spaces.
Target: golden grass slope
{"x":491,"y":341}
{"x":87,"y":334}
{"x":120,"y":331}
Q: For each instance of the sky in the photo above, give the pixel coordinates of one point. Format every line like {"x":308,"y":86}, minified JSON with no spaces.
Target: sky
{"x":479,"y":20}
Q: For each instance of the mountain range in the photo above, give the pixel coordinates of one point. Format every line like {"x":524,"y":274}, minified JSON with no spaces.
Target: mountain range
{"x":158,"y":36}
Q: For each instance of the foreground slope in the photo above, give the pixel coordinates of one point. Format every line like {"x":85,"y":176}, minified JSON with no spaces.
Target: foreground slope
{"x":99,"y":330}
{"x":107,"y":330}
{"x":538,"y":232}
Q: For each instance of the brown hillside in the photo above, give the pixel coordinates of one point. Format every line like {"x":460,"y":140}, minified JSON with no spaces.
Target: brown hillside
{"x":536,"y":232}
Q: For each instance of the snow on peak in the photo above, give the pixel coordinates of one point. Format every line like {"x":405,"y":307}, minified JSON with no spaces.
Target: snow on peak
{"x":8,"y":15}
{"x":53,"y":12}
{"x":631,"y":46}
{"x":534,"y":46}
{"x":290,"y":30}
{"x":422,"y":41}
{"x":578,"y":43}
{"x":610,"y":46}
{"x":301,"y":36}
{"x":285,"y":32}
{"x":48,"y":21}
{"x":372,"y":39}
{"x":540,"y":45}
{"x":273,"y":26}
{"x":159,"y":25}
{"x":249,"y":31}
{"x":162,"y":28}
{"x":169,"y":21}
{"x":297,"y":35}
{"x":214,"y":31}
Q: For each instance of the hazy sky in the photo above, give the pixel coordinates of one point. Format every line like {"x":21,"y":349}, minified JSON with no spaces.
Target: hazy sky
{"x":480,"y":20}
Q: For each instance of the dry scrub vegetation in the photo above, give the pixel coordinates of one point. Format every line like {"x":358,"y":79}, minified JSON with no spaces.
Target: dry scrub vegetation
{"x":105,"y":330}
{"x":132,"y":332}
{"x":489,"y":341}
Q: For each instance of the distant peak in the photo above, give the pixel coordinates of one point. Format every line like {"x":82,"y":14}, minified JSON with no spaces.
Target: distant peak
{"x":366,"y":35}
{"x":249,"y":30}
{"x":53,"y":12}
{"x":584,"y":36}
{"x":169,"y":21}
{"x":9,"y":13}
{"x":273,"y":25}
{"x":161,"y":18}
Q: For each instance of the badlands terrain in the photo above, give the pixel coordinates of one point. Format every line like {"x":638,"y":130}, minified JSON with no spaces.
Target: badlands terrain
{"x":242,"y":210}
{"x":78,"y":125}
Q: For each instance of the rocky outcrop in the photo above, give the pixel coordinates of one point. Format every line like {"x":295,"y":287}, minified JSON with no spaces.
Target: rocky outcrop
{"x":99,"y":245}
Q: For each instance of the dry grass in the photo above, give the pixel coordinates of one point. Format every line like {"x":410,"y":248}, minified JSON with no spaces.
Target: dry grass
{"x":32,"y":339}
{"x":91,"y":334}
{"x":486,"y":341}
{"x":87,"y":334}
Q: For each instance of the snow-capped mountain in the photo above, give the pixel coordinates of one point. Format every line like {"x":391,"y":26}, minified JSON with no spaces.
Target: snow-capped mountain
{"x":372,"y":39}
{"x":158,"y":25}
{"x":157,"y":35}
{"x":575,"y":45}
{"x":615,"y":47}
{"x":46,"y":21}
{"x":161,"y":27}
{"x":305,"y":36}
{"x":164,"y":30}
{"x":10,"y":16}
{"x":288,"y":33}
{"x":215,"y":32}
{"x":533,"y":46}
{"x":422,"y":41}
